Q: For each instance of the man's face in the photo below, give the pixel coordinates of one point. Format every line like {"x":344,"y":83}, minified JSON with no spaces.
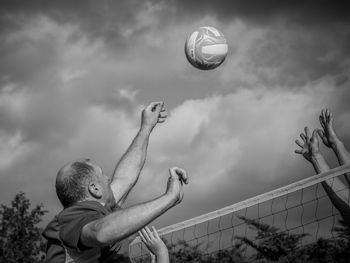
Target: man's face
{"x":105,"y":183}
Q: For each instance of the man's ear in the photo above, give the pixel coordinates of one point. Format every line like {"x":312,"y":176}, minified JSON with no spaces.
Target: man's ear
{"x":95,"y":190}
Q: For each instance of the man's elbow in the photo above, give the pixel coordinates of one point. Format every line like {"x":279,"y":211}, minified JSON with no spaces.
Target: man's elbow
{"x":93,"y":235}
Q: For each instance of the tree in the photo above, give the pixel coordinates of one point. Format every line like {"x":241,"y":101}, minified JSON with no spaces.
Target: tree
{"x":20,"y":237}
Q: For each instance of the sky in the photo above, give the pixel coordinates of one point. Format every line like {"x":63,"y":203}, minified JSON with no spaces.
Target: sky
{"x":75,"y":75}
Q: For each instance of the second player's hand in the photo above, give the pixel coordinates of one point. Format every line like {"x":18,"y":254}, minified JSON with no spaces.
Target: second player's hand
{"x":154,"y":113}
{"x":153,"y":242}
{"x":327,"y":133}
{"x":309,"y":146}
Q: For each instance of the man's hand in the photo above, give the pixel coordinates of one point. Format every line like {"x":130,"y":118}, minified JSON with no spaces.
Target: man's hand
{"x":154,"y":244}
{"x":154,"y":113}
{"x":310,"y":145}
{"x":176,"y":179}
{"x":327,"y":135}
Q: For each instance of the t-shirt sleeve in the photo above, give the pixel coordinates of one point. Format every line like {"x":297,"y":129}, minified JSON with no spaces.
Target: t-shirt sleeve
{"x":72,"y":222}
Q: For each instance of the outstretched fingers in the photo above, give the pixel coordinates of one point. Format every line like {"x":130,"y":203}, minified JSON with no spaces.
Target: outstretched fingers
{"x":299,"y":143}
{"x":155,"y":232}
{"x":300,"y":151}
{"x":307,"y":133}
{"x":143,"y":235}
{"x":322,"y":122}
{"x":322,"y":136}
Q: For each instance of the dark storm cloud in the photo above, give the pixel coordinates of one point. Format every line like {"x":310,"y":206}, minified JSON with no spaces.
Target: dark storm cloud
{"x":96,"y":18}
{"x":311,"y":11}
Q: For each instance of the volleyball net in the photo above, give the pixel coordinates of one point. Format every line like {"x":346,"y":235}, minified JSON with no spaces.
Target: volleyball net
{"x":297,"y":220}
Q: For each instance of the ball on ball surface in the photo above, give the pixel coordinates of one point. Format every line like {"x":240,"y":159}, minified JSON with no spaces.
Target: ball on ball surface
{"x":206,"y":48}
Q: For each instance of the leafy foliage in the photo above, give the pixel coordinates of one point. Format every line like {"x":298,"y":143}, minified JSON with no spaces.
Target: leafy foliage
{"x":20,"y":237}
{"x":272,"y":245}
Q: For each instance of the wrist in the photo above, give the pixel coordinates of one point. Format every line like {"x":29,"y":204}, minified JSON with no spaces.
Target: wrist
{"x":145,"y":129}
{"x":316,"y":158}
{"x":170,"y":199}
{"x":161,"y":253}
{"x":338,"y":144}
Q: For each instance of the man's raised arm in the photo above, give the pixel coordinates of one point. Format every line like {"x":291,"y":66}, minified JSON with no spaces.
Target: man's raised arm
{"x":123,"y":223}
{"x":309,"y":148}
{"x":331,"y":140}
{"x":128,"y":169}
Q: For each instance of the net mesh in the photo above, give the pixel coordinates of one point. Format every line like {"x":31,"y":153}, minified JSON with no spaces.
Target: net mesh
{"x":295,"y":222}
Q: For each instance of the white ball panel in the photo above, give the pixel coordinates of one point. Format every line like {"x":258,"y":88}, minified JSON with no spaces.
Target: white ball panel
{"x":218,"y":49}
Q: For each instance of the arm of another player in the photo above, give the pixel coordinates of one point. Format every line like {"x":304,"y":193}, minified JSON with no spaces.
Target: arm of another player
{"x":124,"y":222}
{"x":128,"y":169}
{"x":331,"y":140}
{"x":333,"y":187}
{"x":155,"y":245}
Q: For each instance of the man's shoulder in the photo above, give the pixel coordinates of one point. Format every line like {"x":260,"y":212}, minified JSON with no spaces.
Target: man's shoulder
{"x":51,"y":230}
{"x":80,"y":208}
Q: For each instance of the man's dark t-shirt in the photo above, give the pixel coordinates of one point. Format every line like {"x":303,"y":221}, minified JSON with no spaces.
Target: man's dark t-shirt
{"x":54,"y":249}
{"x":71,"y":221}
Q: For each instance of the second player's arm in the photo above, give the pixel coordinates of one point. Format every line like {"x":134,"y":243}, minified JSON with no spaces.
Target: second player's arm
{"x":331,"y":140}
{"x":334,"y":188}
{"x":343,"y":157}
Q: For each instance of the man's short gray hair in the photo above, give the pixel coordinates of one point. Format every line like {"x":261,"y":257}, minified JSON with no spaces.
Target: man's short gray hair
{"x":71,"y":181}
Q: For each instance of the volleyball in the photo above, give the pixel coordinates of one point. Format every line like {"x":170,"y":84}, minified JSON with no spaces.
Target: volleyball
{"x":206,"y":48}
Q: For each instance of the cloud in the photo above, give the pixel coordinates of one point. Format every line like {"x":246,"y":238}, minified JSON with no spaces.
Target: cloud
{"x":267,"y":11}
{"x":74,"y":78}
{"x":228,"y":142}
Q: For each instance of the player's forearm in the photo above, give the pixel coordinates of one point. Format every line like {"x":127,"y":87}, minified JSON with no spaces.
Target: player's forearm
{"x":337,"y":193}
{"x":341,"y":152}
{"x":319,"y":163}
{"x":130,"y":165}
{"x":123,"y":223}
{"x":343,"y":156}
{"x":333,"y":187}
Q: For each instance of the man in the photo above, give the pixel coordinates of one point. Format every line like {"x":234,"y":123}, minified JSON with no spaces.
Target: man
{"x":310,"y":150}
{"x":92,"y":221}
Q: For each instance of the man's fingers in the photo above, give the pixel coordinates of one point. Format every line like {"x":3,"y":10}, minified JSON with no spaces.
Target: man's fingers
{"x":145,"y":234}
{"x":299,"y":151}
{"x":314,"y":134}
{"x":149,"y":232}
{"x":330,"y":117}
{"x":158,"y":105}
{"x":180,"y":173}
{"x":163,"y":115}
{"x":142,"y":237}
{"x":323,"y":114}
{"x":327,"y":114}
{"x":307,"y":132}
{"x":303,"y":137}
{"x":155,"y":233}
{"x":322,"y":121}
{"x":299,"y":143}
